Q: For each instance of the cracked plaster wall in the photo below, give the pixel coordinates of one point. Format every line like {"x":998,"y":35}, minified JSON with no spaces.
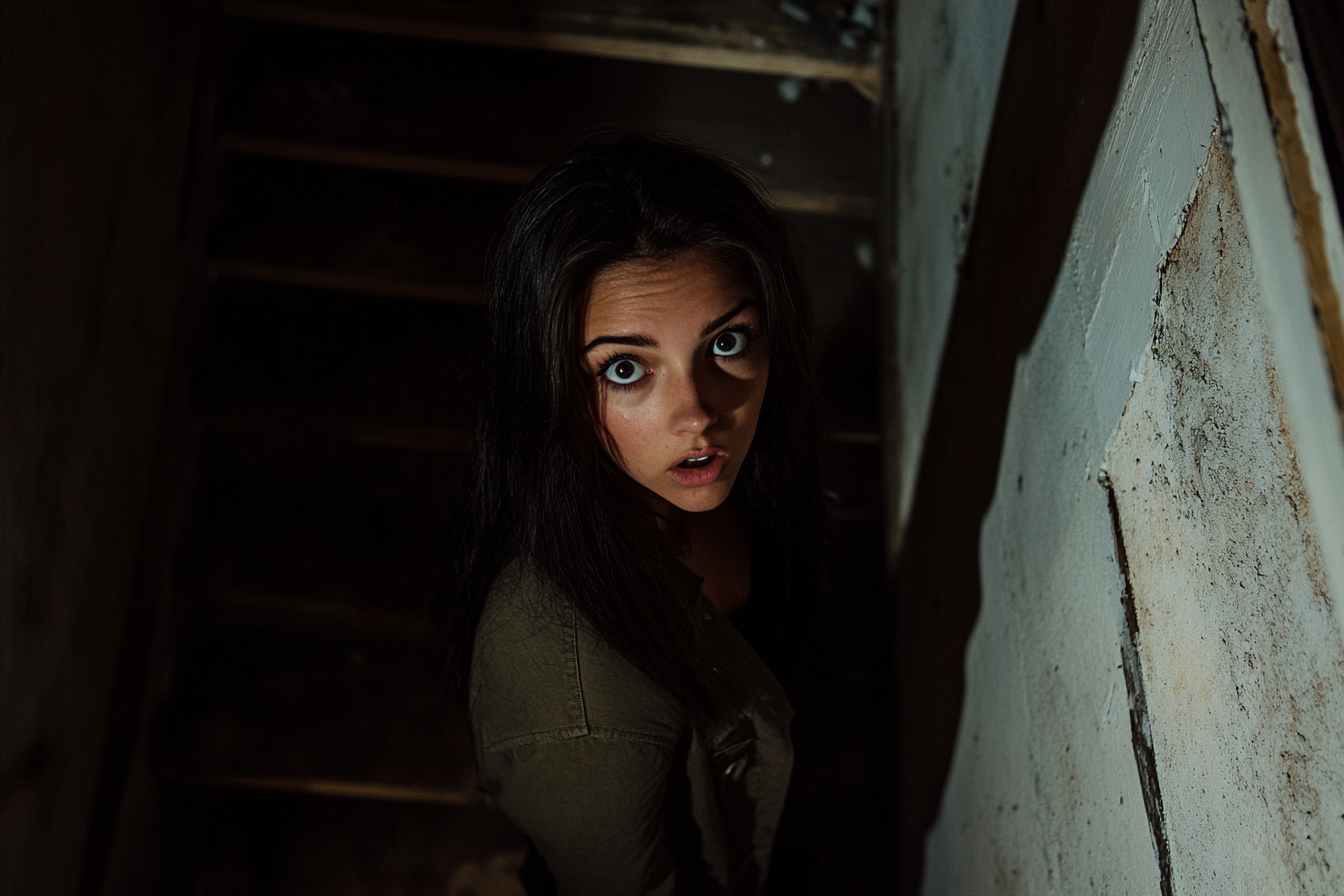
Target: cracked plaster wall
{"x":1155,"y":697}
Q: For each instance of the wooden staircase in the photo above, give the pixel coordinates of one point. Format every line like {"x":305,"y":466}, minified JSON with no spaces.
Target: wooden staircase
{"x":367,"y":153}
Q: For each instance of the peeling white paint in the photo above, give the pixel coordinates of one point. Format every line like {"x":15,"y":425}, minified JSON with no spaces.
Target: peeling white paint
{"x":1044,"y":794}
{"x":949,"y":60}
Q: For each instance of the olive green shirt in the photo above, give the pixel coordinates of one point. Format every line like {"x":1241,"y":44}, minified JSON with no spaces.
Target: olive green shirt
{"x":618,"y":789}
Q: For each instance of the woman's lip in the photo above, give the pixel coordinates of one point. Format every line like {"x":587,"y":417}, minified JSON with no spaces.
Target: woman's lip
{"x":697,"y":453}
{"x":695,"y":477}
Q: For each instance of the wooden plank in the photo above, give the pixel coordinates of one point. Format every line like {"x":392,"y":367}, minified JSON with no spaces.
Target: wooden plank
{"x":299,"y":532}
{"x":367,"y":232}
{"x":360,"y":790}
{"x":320,"y":355}
{"x":317,"y":715}
{"x":418,"y":438}
{"x":800,"y":201}
{"x":834,"y":205}
{"x":497,"y":116}
{"x":725,"y":45}
{"x":375,"y":159}
{"x":254,"y":839}
{"x":341,"y":281}
{"x":364,"y":848}
{"x":441,"y":439}
{"x":242,"y":608}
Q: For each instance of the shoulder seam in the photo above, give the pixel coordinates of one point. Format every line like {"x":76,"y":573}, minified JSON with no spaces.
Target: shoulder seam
{"x":555,"y":735}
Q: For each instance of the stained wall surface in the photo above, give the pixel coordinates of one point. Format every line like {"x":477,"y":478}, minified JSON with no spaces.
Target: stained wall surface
{"x":1155,"y":682}
{"x":1236,"y":635}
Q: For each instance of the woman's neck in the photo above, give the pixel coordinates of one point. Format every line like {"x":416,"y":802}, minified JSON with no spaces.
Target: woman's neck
{"x":718,"y":549}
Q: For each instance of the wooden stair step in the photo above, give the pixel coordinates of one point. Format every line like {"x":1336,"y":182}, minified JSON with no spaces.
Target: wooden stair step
{"x":341,"y":281}
{"x":317,"y":354}
{"x":335,"y":717}
{"x":737,"y":35}
{"x":400,"y":236}
{"x":342,"y":536}
{"x":359,"y":848}
{"x":356,"y":231}
{"x":247,"y":841}
{"x":499,"y":115}
{"x":798,"y":200}
{"x":280,"y":424}
{"x":260,"y":608}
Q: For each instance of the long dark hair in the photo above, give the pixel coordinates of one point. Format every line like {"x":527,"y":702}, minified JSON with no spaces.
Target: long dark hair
{"x":541,"y":484}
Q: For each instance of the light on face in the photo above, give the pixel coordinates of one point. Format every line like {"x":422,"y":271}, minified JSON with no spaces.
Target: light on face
{"x":676,"y":349}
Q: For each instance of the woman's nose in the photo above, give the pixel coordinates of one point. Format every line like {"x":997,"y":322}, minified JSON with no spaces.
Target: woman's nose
{"x":692,"y":409}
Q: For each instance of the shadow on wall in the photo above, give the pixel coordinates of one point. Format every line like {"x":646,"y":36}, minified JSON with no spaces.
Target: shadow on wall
{"x":1063,"y":72}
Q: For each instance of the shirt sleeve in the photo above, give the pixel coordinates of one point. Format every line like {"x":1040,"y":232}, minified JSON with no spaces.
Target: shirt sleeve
{"x":593,"y":805}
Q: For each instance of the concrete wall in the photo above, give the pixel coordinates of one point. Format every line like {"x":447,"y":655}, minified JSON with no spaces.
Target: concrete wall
{"x":1155,"y":681}
{"x":95,"y":105}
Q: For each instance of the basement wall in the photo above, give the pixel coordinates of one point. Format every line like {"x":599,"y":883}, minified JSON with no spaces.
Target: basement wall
{"x":1155,"y":680}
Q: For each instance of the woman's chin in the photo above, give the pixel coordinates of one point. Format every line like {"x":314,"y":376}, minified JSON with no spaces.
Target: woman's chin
{"x":699,"y":499}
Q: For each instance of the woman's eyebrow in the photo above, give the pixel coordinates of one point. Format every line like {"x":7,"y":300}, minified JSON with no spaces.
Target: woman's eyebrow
{"x":724,"y":318}
{"x":650,"y":342}
{"x":640,"y":341}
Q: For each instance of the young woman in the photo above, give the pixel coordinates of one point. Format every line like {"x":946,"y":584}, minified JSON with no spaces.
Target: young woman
{"x":642,"y":516}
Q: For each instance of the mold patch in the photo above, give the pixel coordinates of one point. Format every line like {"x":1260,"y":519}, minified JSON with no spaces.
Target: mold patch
{"x":1241,"y":659}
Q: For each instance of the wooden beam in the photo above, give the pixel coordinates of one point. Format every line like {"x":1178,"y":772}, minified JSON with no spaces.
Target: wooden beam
{"x":1303,"y":192}
{"x":415,"y":438}
{"x":272,"y":612}
{"x":378,"y":435}
{"x":376,"y":159}
{"x":341,"y":281}
{"x":833,"y":204}
{"x":866,"y":77}
{"x":360,"y":790}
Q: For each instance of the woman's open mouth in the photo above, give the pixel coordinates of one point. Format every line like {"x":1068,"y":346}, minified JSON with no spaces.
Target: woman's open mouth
{"x":701,"y":470}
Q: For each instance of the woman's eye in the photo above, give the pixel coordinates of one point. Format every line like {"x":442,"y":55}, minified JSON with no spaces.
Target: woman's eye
{"x":729,"y":343}
{"x":624,"y":372}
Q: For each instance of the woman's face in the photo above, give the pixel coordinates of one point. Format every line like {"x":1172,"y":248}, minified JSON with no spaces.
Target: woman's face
{"x":680,"y":363}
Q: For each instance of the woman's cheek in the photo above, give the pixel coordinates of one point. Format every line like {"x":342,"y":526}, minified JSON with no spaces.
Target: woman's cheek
{"x":629,"y":426}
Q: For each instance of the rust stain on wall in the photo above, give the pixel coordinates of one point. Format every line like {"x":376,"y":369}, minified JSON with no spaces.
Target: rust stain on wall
{"x":1302,"y":191}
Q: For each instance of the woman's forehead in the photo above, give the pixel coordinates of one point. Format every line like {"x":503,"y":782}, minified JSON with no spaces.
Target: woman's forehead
{"x":681,"y":285}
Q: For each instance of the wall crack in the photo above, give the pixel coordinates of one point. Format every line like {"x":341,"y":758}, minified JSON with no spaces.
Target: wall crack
{"x":1141,"y":732}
